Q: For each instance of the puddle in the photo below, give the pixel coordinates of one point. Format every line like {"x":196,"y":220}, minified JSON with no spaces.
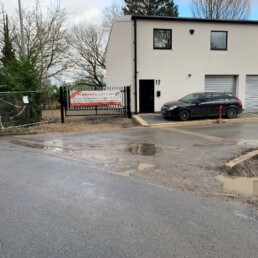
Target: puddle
{"x":56,"y":145}
{"x":141,"y":167}
{"x":86,"y":146}
{"x":144,"y":149}
{"x":214,"y":144}
{"x":28,"y":144}
{"x":242,"y":185}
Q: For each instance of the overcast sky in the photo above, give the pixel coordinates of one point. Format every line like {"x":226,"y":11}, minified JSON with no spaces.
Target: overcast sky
{"x":88,"y":9}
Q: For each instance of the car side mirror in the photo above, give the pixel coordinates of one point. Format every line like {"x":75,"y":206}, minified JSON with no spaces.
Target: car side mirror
{"x":198,"y":102}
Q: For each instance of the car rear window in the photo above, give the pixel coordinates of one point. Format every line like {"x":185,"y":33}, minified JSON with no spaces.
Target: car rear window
{"x":232,"y":97}
{"x":219,"y":97}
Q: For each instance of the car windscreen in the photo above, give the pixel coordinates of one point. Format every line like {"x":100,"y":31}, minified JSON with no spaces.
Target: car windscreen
{"x":193,"y":98}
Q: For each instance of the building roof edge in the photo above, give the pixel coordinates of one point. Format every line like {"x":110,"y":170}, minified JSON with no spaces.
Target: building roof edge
{"x":185,"y":19}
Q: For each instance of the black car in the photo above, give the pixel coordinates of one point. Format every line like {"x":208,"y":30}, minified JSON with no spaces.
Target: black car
{"x":203,"y":104}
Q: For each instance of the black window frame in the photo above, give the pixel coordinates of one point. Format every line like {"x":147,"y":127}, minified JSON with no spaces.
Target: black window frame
{"x":162,"y":48}
{"x":219,"y":49}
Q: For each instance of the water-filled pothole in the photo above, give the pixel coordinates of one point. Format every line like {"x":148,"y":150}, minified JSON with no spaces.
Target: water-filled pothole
{"x":28,"y":144}
{"x":144,"y":149}
{"x":242,"y":174}
{"x":242,"y":185}
{"x":141,"y":167}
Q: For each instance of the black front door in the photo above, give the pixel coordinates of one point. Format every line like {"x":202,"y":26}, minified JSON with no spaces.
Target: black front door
{"x":146,"y":96}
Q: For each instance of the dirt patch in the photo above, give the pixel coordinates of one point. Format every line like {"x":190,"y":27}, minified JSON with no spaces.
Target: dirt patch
{"x":248,"y":168}
{"x":90,"y":125}
{"x":51,"y":123}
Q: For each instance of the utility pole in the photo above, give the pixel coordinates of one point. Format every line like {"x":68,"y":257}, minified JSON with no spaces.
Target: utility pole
{"x":22,"y":32}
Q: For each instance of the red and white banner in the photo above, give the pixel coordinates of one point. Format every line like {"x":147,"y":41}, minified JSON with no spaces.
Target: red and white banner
{"x":95,"y":98}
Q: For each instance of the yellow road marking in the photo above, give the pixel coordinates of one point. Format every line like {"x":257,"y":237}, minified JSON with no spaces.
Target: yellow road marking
{"x":200,"y":135}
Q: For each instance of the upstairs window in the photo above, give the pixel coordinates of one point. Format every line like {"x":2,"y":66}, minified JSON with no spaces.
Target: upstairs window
{"x":219,"y":40}
{"x":162,"y":39}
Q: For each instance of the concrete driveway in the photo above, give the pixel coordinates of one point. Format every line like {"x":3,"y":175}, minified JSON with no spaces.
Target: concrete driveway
{"x":156,"y":119}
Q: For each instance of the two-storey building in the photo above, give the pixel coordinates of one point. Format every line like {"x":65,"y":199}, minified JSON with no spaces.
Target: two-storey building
{"x":165,"y":58}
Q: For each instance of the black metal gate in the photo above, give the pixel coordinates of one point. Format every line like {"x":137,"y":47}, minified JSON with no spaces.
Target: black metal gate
{"x":97,"y":106}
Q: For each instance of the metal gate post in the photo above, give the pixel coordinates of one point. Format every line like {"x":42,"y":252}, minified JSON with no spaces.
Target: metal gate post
{"x":124,"y":94}
{"x":62,"y":104}
{"x":128,"y":100}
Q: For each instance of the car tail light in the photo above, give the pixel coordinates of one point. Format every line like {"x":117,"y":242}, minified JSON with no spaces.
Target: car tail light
{"x":239,"y":102}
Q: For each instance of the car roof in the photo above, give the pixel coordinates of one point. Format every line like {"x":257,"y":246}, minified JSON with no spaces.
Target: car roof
{"x":212,"y":92}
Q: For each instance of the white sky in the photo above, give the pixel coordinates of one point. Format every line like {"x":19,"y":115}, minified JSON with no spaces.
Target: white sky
{"x":78,"y":9}
{"x":90,"y":9}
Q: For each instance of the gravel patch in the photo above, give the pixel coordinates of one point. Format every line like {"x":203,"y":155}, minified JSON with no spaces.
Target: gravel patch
{"x":248,"y":168}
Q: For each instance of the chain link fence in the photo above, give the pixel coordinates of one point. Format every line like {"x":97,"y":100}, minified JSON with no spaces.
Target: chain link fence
{"x":19,"y":109}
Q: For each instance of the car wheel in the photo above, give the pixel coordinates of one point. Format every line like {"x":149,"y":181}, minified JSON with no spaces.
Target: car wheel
{"x":231,"y":113}
{"x":184,"y":115}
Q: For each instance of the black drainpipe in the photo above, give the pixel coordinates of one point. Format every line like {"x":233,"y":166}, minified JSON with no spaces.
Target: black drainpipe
{"x":135,"y":64}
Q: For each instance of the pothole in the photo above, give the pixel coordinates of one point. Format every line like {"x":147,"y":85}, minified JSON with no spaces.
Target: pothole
{"x":141,"y":167}
{"x":242,"y":174}
{"x":144,"y":149}
{"x":28,"y":144}
{"x":244,"y":185}
{"x":246,"y":168}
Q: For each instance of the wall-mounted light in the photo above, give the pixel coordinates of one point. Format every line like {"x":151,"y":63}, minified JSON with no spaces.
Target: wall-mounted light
{"x":191,"y":32}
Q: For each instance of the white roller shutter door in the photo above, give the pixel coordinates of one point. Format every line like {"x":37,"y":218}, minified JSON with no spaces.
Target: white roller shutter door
{"x":220,"y":83}
{"x":251,"y":92}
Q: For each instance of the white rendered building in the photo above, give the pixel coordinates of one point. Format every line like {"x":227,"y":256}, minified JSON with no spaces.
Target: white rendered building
{"x":165,"y":58}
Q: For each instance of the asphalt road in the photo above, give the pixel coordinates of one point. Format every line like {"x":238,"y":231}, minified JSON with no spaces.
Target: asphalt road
{"x":185,"y":157}
{"x":53,"y":205}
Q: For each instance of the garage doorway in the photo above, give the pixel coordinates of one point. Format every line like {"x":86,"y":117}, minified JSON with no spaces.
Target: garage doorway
{"x":251,"y":92}
{"x":221,"y":83}
{"x":146,"y":96}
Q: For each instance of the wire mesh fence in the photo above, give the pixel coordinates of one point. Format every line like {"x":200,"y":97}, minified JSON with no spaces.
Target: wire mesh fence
{"x":19,"y":109}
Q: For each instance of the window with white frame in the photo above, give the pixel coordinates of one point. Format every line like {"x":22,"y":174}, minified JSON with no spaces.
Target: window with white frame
{"x":162,"y":39}
{"x":219,"y":40}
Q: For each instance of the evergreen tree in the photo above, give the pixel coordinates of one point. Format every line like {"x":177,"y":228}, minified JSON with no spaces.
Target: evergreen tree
{"x":21,"y":75}
{"x":150,"y":7}
{"x":8,"y":54}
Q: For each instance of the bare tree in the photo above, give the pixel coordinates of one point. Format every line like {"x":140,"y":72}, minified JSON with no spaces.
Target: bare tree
{"x":110,"y":13}
{"x":45,"y":39}
{"x":220,"y":9}
{"x":88,"y":43}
